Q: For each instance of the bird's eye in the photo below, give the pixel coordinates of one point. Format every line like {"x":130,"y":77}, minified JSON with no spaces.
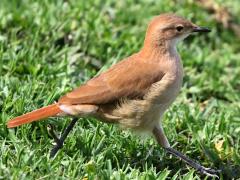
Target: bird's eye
{"x":179,"y":28}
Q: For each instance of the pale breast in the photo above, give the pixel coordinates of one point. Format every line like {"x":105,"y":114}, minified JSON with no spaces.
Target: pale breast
{"x":166,"y":90}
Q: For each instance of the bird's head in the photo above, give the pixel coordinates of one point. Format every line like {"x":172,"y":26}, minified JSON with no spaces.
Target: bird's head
{"x":170,"y":29}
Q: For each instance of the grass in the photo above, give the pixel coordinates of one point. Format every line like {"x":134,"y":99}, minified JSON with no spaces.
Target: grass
{"x":49,"y":47}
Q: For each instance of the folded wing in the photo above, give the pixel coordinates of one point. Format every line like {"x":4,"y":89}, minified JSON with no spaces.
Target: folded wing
{"x":130,"y":78}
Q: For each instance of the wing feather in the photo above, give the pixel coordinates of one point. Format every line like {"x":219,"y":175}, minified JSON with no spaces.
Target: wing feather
{"x":130,"y":78}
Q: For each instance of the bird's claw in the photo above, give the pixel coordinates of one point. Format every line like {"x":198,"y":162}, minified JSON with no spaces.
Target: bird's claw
{"x":209,"y":172}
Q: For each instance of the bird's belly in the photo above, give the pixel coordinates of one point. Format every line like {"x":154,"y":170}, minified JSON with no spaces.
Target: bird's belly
{"x":139,"y":115}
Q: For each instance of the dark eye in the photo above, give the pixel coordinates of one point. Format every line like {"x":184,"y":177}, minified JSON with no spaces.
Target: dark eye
{"x":179,"y":28}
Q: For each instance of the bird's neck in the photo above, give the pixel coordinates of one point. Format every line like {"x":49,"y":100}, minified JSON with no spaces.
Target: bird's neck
{"x":162,"y":49}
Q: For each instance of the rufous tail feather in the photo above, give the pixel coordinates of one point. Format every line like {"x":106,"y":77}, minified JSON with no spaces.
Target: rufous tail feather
{"x":35,"y":115}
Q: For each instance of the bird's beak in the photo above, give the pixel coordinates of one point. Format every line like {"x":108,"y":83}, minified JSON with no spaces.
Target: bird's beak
{"x":201,"y":29}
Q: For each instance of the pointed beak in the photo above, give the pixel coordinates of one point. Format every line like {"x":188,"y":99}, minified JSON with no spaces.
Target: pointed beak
{"x":201,"y":29}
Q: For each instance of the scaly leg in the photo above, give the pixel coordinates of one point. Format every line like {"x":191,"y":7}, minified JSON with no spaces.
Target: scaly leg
{"x":162,"y":140}
{"x":59,"y":141}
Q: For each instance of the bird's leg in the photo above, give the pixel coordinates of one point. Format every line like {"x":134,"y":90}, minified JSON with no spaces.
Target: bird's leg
{"x":59,"y":141}
{"x":160,"y":136}
{"x":162,"y":140}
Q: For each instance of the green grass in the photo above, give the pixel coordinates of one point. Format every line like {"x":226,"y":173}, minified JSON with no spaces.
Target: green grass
{"x":49,"y":47}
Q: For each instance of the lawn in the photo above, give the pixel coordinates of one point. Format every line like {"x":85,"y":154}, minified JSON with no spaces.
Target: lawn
{"x":49,"y":47}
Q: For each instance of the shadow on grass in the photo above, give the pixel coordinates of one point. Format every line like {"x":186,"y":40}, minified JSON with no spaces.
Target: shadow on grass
{"x":228,"y":169}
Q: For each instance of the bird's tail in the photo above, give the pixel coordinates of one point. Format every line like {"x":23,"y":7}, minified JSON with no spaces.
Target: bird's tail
{"x":35,"y":115}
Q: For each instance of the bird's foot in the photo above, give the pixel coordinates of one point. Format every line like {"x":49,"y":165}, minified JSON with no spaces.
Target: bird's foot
{"x":201,"y":169}
{"x":209,"y":172}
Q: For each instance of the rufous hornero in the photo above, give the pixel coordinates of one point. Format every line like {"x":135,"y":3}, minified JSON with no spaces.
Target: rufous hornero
{"x":135,"y":92}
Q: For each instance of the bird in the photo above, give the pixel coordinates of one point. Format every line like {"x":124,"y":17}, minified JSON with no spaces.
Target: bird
{"x":135,"y":92}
